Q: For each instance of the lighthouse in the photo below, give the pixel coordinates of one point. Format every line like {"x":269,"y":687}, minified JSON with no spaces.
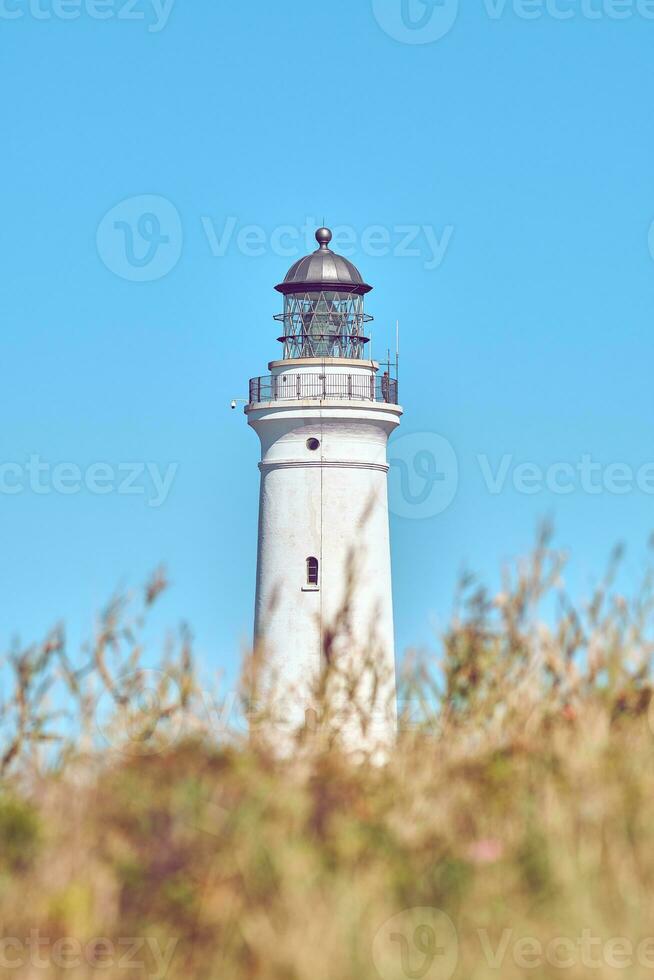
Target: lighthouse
{"x":324,"y":414}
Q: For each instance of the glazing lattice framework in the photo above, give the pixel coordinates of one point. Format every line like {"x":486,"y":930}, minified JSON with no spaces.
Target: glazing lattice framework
{"x":323,"y":324}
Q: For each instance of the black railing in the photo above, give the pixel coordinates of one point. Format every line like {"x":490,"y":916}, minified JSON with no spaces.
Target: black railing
{"x":351,"y":387}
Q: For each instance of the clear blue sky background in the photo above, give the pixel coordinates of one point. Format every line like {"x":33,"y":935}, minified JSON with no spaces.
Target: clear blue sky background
{"x":532,"y":139}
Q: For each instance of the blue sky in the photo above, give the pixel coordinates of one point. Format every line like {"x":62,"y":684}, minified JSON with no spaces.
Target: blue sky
{"x":511,"y":158}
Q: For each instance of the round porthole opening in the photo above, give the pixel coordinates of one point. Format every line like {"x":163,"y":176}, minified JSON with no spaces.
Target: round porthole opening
{"x":313,"y":444}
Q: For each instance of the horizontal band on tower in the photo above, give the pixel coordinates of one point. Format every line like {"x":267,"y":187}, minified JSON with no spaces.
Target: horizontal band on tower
{"x":339,"y":463}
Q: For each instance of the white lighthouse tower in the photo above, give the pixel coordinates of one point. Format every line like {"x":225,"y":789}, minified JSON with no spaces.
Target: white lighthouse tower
{"x":324,"y":415}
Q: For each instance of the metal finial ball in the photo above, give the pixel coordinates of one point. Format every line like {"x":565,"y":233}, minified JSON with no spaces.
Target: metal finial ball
{"x":323,"y":237}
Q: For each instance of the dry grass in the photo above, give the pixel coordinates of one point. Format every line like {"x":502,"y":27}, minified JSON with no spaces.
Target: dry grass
{"x":513,"y":816}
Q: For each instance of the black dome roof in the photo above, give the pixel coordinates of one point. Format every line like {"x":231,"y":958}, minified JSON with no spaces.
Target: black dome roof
{"x":324,"y":269}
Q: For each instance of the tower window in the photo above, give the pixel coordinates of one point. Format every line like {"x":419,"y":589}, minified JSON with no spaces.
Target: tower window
{"x":313,"y":444}
{"x":312,"y":571}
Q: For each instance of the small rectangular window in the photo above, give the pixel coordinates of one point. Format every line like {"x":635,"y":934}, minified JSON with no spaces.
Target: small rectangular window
{"x":312,"y":571}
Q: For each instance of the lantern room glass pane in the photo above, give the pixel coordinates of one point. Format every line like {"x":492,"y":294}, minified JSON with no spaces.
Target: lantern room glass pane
{"x":326,"y":323}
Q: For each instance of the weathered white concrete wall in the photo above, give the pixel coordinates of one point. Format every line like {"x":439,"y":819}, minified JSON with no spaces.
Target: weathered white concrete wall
{"x":330,"y":504}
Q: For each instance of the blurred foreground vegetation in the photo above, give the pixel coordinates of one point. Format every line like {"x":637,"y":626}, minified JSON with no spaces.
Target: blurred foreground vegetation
{"x":508,"y":833}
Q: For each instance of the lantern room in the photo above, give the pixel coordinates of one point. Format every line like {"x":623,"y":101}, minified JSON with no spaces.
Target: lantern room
{"x":324,"y":312}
